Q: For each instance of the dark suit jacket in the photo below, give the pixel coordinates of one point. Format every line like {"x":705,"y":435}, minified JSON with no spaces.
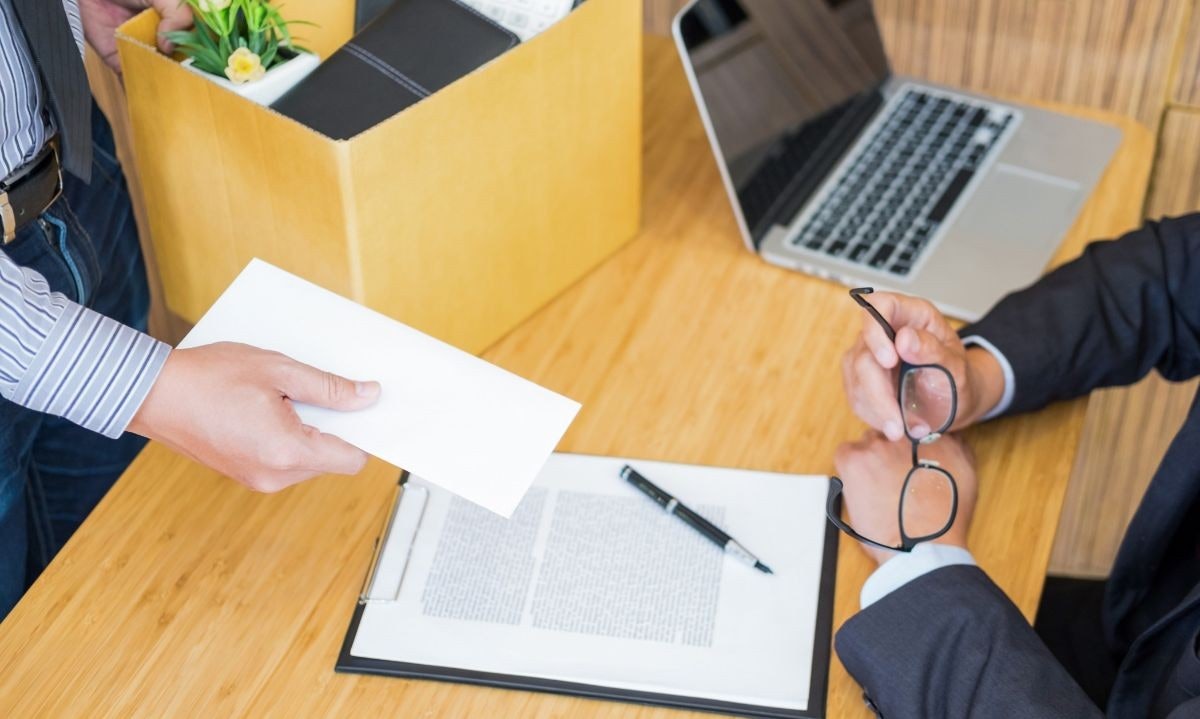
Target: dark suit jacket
{"x":950,"y":644}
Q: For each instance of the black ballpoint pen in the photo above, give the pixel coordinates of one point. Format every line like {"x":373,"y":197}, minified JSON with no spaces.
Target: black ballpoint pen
{"x":700,"y":524}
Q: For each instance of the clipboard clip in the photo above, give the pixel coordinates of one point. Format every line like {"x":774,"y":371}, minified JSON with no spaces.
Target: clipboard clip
{"x":394,"y":546}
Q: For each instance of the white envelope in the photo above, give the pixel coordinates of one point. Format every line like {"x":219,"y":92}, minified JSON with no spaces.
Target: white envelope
{"x":447,"y":416}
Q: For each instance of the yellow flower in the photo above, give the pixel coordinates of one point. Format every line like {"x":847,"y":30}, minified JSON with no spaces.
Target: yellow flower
{"x":244,"y":66}
{"x":213,"y":5}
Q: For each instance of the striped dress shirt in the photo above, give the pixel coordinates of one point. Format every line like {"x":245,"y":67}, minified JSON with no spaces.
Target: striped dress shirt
{"x":24,"y":128}
{"x":56,"y":356}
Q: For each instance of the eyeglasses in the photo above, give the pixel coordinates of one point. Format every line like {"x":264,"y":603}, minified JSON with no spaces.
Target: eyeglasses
{"x":929,"y":497}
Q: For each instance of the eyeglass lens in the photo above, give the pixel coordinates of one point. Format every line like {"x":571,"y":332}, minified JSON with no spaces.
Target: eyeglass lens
{"x":926,"y":401}
{"x":927,"y":505}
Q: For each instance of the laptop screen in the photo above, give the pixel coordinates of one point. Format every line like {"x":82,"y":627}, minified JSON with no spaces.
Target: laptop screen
{"x":787,"y":86}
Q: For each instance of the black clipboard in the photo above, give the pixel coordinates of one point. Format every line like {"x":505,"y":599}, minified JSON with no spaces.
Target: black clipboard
{"x":818,"y":682}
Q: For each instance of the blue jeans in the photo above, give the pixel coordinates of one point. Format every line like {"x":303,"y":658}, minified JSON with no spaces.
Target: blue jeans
{"x":52,"y":473}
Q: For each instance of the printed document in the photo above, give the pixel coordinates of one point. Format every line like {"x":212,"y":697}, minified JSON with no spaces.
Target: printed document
{"x":590,"y":581}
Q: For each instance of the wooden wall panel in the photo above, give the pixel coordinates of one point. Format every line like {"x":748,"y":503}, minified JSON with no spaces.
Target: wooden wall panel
{"x":1112,"y":54}
{"x":1187,"y":86}
{"x":1125,"y":435}
{"x":1127,"y":430}
{"x":1175,"y":189}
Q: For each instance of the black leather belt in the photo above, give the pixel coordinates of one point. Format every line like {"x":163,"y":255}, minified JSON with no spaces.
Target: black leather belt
{"x":28,"y":192}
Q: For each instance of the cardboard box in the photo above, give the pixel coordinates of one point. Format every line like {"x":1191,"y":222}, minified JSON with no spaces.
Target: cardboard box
{"x":460,"y":216}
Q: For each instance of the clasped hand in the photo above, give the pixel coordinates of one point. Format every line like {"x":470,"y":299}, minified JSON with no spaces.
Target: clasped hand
{"x":873,"y":469}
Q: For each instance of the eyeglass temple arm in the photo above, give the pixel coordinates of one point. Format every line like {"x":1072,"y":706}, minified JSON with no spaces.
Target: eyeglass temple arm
{"x":832,"y":506}
{"x":857,"y":293}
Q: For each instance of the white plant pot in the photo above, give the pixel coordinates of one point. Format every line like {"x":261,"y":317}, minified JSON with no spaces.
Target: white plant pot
{"x":271,"y":86}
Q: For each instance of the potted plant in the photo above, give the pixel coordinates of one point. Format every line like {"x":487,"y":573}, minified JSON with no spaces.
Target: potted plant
{"x":244,"y":46}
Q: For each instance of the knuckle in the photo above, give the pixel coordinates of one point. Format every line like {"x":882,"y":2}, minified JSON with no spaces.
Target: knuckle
{"x":871,"y":331}
{"x":359,"y":463}
{"x":278,"y":457}
{"x":926,"y":307}
{"x":281,"y":360}
{"x":843,"y":455}
{"x":890,"y":304}
{"x":863,"y":409}
{"x":285,"y":367}
{"x":272,"y":486}
{"x":260,"y":481}
{"x":864,"y":363}
{"x":848,"y":364}
{"x":923,"y":345}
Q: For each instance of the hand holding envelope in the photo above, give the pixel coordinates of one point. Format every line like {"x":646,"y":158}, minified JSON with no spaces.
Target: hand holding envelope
{"x":230,"y":406}
{"x":447,"y":416}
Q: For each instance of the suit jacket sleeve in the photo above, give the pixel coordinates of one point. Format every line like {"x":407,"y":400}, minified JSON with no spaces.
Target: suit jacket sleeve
{"x":950,"y":644}
{"x":1122,"y":308}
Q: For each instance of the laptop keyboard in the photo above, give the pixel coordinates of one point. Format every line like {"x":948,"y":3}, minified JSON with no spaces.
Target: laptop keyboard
{"x":891,"y":197}
{"x":790,"y":171}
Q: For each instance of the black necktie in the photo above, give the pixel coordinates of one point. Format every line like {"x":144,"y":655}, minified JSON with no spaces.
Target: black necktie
{"x":48,"y":33}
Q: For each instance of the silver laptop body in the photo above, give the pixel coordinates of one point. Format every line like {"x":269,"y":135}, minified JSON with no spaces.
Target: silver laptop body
{"x":837,"y":168}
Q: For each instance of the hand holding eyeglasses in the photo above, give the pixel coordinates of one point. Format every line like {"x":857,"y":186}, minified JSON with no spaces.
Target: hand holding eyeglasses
{"x":923,"y":336}
{"x":926,"y":397}
{"x":874,"y":470}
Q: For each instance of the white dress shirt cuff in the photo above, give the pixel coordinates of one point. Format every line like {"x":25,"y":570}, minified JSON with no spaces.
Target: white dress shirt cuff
{"x":907,"y":566}
{"x":1010,"y":380}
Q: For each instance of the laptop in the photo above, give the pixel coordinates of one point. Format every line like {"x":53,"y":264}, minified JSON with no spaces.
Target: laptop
{"x":840,"y":169}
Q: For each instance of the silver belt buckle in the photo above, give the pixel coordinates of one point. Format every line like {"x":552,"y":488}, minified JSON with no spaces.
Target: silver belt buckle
{"x":8,"y":218}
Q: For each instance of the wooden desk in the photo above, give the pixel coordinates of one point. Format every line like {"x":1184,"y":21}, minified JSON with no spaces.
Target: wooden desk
{"x":185,"y":594}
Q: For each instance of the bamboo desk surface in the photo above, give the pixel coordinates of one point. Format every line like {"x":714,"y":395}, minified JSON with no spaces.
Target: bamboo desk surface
{"x":184,"y":594}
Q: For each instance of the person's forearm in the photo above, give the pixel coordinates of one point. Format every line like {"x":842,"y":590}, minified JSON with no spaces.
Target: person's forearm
{"x":1107,"y":318}
{"x":63,"y":359}
{"x":950,"y":644}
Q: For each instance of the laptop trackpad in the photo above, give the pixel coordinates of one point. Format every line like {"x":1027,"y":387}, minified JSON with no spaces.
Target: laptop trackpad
{"x":1012,"y":226}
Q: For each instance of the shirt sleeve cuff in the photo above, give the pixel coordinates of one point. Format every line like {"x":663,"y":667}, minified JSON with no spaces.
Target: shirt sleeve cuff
{"x":907,"y":566}
{"x":93,"y":371}
{"x":1010,"y":379}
